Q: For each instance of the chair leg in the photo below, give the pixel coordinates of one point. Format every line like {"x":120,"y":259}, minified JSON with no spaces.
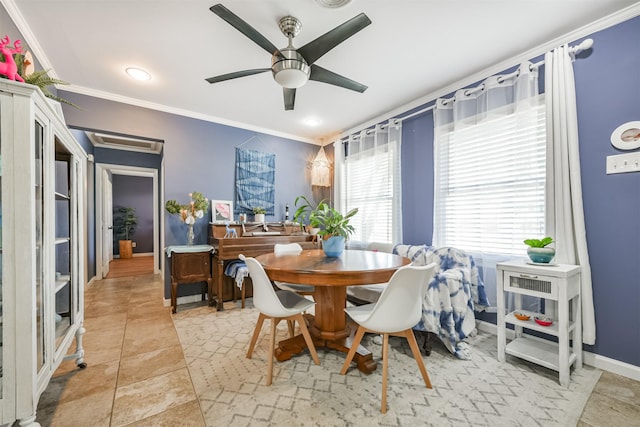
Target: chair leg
{"x":291,"y":324}
{"x":272,"y":344}
{"x":243,"y":293}
{"x":308,"y":339}
{"x":256,"y":333}
{"x":352,"y":351}
{"x":385,"y":368}
{"x":416,"y":355}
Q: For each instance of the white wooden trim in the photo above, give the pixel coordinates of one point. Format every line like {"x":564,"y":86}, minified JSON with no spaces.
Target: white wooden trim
{"x":131,"y":171}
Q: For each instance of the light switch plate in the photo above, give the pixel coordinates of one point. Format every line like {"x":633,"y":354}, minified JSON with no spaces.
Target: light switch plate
{"x":623,"y":163}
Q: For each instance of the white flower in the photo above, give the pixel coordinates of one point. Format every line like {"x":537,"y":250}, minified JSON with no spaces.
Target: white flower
{"x":199,"y":213}
{"x":189,"y":219}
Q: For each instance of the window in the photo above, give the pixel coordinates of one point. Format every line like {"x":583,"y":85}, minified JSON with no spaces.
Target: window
{"x":370,"y":181}
{"x":490,"y":182}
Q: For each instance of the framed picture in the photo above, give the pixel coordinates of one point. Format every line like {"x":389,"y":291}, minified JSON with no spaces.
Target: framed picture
{"x":221,"y":211}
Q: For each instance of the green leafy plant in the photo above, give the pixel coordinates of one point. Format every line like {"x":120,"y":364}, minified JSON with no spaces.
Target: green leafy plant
{"x":539,"y":243}
{"x":305,"y":211}
{"x":42,"y":80}
{"x":125,"y":221}
{"x":259,"y":210}
{"x":190,"y":212}
{"x":332,"y":222}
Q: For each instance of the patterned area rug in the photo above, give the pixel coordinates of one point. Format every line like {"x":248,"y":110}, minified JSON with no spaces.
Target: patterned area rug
{"x":479,"y":392}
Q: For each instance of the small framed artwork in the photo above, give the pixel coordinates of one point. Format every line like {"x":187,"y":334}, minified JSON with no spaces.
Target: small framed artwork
{"x":626,"y":136}
{"x":221,"y":211}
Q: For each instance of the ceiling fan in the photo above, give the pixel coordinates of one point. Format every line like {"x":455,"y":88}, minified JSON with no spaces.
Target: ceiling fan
{"x":291,"y":67}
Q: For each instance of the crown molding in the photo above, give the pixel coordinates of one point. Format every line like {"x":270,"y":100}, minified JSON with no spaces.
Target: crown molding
{"x":180,"y":112}
{"x":38,"y":52}
{"x":608,"y":21}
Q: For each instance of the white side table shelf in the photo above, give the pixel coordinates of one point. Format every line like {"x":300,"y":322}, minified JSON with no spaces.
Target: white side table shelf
{"x":557,"y":282}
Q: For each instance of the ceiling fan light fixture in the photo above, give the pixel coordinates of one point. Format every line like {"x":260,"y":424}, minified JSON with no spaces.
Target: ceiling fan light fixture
{"x":291,"y":74}
{"x":333,"y":4}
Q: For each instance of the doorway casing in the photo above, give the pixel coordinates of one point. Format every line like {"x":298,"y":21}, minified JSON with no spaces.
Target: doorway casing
{"x":103,"y":172}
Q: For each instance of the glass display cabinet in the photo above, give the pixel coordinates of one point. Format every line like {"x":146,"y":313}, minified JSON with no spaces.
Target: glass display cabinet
{"x":42,"y":234}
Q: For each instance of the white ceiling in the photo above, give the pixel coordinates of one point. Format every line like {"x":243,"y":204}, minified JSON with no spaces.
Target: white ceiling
{"x":413,"y":49}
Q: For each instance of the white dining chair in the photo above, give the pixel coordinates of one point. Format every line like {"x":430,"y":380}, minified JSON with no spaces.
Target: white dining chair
{"x":397,"y":311}
{"x":277,"y":306}
{"x":283,"y":249}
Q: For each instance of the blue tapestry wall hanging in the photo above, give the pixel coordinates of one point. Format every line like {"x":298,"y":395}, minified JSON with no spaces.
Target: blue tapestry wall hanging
{"x":255,"y":181}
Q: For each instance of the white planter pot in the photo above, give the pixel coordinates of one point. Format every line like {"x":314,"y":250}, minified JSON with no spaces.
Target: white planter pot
{"x":541,"y":255}
{"x":259,"y":218}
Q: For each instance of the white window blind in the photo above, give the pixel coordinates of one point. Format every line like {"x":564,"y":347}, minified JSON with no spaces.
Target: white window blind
{"x":371,"y":183}
{"x":490,"y":183}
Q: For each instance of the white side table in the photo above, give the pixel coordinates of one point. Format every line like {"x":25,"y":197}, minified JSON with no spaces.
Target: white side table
{"x":556,"y":282}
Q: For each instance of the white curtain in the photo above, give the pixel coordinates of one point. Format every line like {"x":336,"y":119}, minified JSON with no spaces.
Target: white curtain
{"x":338,"y":175}
{"x":564,"y":189}
{"x":367,"y":176}
{"x":514,"y":99}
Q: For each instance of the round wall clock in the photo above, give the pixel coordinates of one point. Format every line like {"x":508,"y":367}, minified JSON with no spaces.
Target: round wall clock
{"x":626,"y":136}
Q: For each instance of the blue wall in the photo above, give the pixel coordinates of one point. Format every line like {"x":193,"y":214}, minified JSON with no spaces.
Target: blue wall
{"x":200,"y":155}
{"x":136,"y":192}
{"x":608,"y":95}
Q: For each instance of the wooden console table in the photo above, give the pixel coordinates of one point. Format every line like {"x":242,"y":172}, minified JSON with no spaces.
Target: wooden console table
{"x":190,"y":264}
{"x":227,"y":249}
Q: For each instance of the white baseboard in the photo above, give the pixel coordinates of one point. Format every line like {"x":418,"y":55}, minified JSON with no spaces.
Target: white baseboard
{"x":591,"y":359}
{"x":135,"y":254}
{"x":184,"y":300}
{"x":142,"y":254}
{"x":91,"y":282}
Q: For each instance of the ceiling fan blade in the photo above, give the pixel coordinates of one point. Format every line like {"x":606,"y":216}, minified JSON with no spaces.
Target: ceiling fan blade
{"x":313,"y":50}
{"x":236,"y":74}
{"x":246,"y":29}
{"x":323,"y":75}
{"x":289,"y":98}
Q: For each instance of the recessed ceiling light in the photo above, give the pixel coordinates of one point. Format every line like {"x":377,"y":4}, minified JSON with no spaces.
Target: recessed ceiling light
{"x":138,"y":73}
{"x":312,"y":122}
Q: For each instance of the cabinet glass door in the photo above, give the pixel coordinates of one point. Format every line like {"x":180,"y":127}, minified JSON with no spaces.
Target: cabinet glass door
{"x":40,"y":254}
{"x":1,"y":321}
{"x":63,"y":243}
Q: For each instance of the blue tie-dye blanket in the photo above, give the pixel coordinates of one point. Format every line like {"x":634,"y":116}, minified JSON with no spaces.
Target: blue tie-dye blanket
{"x":452,"y":295}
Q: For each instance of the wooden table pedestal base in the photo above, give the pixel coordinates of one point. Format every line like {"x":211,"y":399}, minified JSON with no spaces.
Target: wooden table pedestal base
{"x":293,"y":346}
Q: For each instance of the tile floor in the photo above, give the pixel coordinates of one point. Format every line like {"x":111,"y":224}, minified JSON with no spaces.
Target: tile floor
{"x":137,"y":376}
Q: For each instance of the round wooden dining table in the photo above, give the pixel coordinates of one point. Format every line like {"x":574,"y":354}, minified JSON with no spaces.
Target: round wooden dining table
{"x":330,"y":276}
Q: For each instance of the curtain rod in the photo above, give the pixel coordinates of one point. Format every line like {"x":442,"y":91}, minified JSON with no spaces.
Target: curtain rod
{"x":573,"y":51}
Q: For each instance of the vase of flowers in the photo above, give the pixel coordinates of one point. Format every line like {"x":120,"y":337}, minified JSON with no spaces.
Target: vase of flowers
{"x":190,"y":212}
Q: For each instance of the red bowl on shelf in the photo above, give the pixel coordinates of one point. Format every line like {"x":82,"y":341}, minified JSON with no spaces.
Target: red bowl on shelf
{"x":544,"y":321}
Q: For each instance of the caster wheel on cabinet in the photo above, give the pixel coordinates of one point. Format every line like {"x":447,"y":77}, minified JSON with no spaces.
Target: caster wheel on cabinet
{"x":82,"y":365}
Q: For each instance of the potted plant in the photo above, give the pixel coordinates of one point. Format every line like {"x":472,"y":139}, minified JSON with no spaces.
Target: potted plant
{"x":305,"y":214}
{"x":258,"y":214}
{"x":125,"y":221}
{"x":335,"y":228}
{"x":538,"y":251}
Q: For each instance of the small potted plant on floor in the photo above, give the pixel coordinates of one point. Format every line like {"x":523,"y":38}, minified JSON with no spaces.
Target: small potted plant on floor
{"x":335,"y":228}
{"x":125,"y":221}
{"x":538,"y":251}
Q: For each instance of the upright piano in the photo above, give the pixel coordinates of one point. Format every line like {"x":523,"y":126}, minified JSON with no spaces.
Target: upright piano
{"x":253,"y":239}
